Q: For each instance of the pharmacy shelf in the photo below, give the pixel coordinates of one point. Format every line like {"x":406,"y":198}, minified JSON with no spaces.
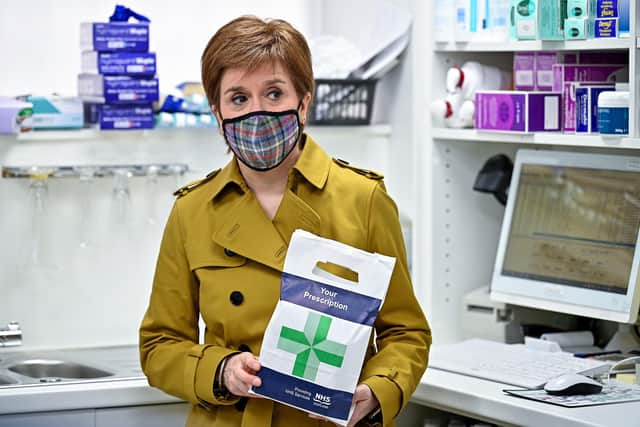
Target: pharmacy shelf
{"x":538,"y":138}
{"x":371,"y":131}
{"x":536,"y":45}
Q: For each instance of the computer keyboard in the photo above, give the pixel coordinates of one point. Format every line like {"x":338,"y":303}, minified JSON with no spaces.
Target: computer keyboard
{"x":510,"y":363}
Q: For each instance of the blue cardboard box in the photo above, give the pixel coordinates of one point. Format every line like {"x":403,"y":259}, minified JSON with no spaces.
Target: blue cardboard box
{"x":114,"y":36}
{"x":126,"y":116}
{"x":119,"y":89}
{"x":587,"y":107}
{"x":121,"y":63}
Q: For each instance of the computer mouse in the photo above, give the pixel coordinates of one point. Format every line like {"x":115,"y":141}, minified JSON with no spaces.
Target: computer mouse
{"x":570,"y":384}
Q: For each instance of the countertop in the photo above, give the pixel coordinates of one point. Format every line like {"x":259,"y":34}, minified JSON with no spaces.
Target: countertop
{"x":485,"y":400}
{"x":126,"y":386}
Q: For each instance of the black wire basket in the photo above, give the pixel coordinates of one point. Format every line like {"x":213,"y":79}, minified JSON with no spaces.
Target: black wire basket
{"x":342,"y":102}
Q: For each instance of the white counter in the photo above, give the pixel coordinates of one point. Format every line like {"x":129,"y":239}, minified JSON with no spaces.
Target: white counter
{"x":126,"y":387}
{"x":86,"y":395}
{"x":485,"y":400}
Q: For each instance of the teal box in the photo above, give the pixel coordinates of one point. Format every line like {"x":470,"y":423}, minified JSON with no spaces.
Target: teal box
{"x":525,"y":19}
{"x":578,"y":8}
{"x":551,"y":16}
{"x":578,"y":28}
{"x":55,"y":112}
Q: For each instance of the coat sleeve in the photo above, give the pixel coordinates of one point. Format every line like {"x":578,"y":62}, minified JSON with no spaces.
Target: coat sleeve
{"x":170,"y":355}
{"x":403,"y":336}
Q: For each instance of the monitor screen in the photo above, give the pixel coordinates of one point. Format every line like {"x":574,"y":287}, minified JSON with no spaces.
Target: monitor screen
{"x":569,"y":236}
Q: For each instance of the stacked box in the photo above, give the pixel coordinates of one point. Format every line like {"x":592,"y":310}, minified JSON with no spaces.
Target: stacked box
{"x":118,"y":75}
{"x":587,"y":106}
{"x":566,"y":79}
{"x":516,"y":111}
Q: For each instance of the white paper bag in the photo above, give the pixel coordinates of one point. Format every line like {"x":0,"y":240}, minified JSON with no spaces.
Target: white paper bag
{"x":316,"y":340}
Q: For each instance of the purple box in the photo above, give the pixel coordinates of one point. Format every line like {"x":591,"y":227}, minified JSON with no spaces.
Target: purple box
{"x":563,"y":73}
{"x":587,"y":106}
{"x":118,"y":89}
{"x":524,"y":70}
{"x":544,"y":70}
{"x":517,"y":111}
{"x":614,"y":57}
{"x":121,"y":63}
{"x":114,"y":36}
{"x":126,"y":116}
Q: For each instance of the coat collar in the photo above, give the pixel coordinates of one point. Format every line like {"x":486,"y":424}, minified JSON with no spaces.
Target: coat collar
{"x":313,"y":164}
{"x":246,"y":230}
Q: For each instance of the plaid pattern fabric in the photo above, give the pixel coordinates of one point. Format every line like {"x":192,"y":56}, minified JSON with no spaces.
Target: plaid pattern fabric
{"x":262,"y":139}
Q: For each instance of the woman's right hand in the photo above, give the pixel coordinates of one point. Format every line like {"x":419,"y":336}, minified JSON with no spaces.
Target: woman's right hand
{"x":239,"y":374}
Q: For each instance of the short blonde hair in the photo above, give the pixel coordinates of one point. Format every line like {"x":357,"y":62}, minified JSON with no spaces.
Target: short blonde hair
{"x":250,"y":42}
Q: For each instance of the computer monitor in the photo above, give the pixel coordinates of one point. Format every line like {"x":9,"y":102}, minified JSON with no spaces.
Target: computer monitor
{"x":569,"y":235}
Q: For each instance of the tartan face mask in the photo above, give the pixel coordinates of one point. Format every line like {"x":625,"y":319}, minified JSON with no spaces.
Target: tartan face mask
{"x":262,"y":139}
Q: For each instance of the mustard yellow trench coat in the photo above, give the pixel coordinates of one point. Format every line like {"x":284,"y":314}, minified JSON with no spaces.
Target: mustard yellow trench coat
{"x":221,"y":258}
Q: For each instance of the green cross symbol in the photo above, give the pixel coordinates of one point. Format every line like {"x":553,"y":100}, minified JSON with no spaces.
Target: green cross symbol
{"x":311,"y":346}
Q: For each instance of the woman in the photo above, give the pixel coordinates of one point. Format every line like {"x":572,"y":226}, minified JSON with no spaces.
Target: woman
{"x":226,"y":238}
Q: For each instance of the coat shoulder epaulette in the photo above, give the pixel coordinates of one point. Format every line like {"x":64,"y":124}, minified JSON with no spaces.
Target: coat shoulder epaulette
{"x":365,"y":172}
{"x":194,"y":184}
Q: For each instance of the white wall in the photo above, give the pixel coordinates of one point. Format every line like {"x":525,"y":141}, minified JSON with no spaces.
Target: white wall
{"x":39,"y":39}
{"x":97,"y":295}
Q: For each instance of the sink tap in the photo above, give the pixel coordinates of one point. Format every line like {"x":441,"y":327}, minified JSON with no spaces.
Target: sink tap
{"x":11,"y":335}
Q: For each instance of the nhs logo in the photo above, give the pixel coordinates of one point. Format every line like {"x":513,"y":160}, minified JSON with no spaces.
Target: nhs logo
{"x":321,"y":398}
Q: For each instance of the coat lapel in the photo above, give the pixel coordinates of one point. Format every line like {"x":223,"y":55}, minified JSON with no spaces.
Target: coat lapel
{"x":248,"y":232}
{"x":295,"y":213}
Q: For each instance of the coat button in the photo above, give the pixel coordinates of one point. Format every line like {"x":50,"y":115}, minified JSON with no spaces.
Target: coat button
{"x":244,"y":347}
{"x":236,"y":297}
{"x":229,"y":252}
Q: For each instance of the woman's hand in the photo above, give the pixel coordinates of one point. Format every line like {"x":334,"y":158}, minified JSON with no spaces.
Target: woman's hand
{"x":364,"y":402}
{"x":239,"y":374}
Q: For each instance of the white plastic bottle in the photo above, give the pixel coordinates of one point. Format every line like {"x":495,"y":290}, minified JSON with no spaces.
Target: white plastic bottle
{"x":473,"y":76}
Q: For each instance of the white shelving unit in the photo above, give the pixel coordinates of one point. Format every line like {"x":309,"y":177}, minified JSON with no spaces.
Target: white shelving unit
{"x":458,"y":229}
{"x":536,"y":45}
{"x":535,"y":139}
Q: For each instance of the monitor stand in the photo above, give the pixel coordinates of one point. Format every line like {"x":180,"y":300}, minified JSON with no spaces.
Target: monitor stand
{"x":625,"y":339}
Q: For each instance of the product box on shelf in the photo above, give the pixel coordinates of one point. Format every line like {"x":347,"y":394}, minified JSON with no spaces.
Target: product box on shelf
{"x":567,"y":77}
{"x":563,"y":73}
{"x":577,"y":8}
{"x":123,"y":89}
{"x":518,"y":111}
{"x":578,"y":28}
{"x":56,"y":112}
{"x":125,"y":116}
{"x":544,"y":68}
{"x":114,"y":36}
{"x":123,"y":63}
{"x":524,"y":69}
{"x":605,"y":28}
{"x":551,"y":16}
{"x":606,"y":8}
{"x":525,"y":19}
{"x":587,"y":107}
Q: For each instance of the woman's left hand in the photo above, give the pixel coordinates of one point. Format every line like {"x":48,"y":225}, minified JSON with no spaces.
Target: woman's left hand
{"x":363,"y":400}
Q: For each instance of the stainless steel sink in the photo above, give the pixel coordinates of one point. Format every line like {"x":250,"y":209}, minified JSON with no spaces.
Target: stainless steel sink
{"x":47,"y":367}
{"x":53,"y":369}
